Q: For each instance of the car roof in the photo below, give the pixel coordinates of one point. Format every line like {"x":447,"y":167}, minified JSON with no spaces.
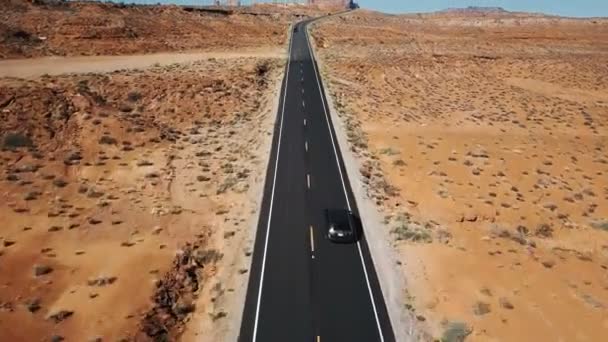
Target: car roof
{"x":340,"y":218}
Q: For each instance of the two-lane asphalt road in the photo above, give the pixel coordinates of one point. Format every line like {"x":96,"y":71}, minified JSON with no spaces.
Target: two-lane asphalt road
{"x":303,"y":287}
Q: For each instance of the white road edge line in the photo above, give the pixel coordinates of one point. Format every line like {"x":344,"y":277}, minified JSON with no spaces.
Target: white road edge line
{"x":312,"y":241}
{"x":274,"y":181}
{"x":371,"y":296}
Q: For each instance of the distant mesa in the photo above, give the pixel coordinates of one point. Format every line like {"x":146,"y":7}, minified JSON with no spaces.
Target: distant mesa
{"x":475,"y":9}
{"x":334,"y":3}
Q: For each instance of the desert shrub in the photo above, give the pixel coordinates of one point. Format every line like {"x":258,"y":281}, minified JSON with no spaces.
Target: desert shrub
{"x":203,"y":257}
{"x":262,"y":68}
{"x":602,"y":225}
{"x":389,"y":151}
{"x":358,"y":139}
{"x":20,"y":34}
{"x":228,"y":183}
{"x":456,"y":332}
{"x":107,"y":140}
{"x":410,"y":232}
{"x":16,"y":140}
{"x":389,"y":190}
{"x":544,"y":230}
{"x":134,"y":96}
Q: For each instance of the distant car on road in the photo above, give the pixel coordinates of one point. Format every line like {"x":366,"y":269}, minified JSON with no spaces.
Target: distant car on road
{"x":342,"y":226}
{"x":295,"y":29}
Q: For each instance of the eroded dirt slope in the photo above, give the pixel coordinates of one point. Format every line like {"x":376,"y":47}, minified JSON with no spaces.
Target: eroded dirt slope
{"x":482,"y":138}
{"x":56,"y":28}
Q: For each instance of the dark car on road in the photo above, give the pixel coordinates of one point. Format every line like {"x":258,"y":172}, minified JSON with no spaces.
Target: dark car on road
{"x":342,"y":226}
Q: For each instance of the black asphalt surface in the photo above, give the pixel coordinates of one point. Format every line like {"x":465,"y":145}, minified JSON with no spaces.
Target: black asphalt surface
{"x":302,"y":287}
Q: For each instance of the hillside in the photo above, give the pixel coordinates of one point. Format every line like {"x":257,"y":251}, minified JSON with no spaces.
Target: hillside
{"x":53,"y":28}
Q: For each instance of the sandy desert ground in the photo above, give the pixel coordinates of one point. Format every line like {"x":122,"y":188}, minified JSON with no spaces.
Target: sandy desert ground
{"x":129,"y":186}
{"x":483,"y":140}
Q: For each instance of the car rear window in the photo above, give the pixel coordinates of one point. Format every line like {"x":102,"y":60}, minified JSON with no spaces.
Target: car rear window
{"x":339,"y":219}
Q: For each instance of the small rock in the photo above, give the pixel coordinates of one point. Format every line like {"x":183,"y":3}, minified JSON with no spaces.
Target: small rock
{"x":548,"y":263}
{"x":33,"y":305}
{"x":470,"y":218}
